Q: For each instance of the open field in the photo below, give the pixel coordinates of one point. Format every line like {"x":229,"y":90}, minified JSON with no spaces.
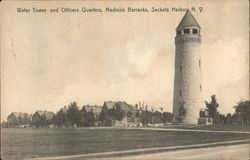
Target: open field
{"x":20,"y":143}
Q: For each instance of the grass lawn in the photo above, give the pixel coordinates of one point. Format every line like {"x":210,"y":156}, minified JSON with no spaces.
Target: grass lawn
{"x":20,"y":143}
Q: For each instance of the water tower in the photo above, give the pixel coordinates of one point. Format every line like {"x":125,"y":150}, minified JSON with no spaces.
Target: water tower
{"x":188,"y":71}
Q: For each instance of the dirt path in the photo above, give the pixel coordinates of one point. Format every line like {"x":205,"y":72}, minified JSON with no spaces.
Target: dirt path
{"x":234,"y":152}
{"x":192,"y":130}
{"x":171,"y":129}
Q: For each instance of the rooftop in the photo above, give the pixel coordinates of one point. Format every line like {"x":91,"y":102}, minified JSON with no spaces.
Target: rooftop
{"x":187,"y":21}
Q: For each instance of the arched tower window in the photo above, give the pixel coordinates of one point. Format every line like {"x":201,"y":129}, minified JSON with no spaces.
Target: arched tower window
{"x":180,"y":93}
{"x":200,"y":87}
{"x":181,"y":69}
{"x":200,"y":63}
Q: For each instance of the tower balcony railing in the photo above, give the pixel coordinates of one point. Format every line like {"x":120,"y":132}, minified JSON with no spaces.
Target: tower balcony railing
{"x":188,"y":39}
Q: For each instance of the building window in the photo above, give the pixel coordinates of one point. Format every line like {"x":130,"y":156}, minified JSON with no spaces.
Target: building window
{"x":200,"y":63}
{"x":195,"y":31}
{"x":200,"y":87}
{"x":181,"y":69}
{"x":180,"y":93}
{"x":178,"y":32}
{"x":186,"y":31}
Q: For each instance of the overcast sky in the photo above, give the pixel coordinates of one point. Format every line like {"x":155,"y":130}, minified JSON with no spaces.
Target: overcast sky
{"x":49,"y":60}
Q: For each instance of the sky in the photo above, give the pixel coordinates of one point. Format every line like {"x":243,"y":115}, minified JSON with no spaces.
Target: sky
{"x":51,"y":59}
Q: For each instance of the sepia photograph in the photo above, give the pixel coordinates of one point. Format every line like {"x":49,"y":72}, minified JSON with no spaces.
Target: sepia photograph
{"x":125,"y":80}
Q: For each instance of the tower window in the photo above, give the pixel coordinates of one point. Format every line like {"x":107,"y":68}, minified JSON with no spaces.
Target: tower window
{"x":178,"y":32}
{"x":195,"y":31}
{"x":186,"y":31}
{"x":200,"y":63}
{"x":180,"y":93}
{"x":181,"y":69}
{"x":200,"y":87}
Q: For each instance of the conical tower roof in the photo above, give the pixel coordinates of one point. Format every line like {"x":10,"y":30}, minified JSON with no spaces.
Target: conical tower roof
{"x":188,"y":20}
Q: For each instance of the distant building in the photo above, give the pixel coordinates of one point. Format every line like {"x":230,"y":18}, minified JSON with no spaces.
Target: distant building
{"x":92,"y":114}
{"x":95,"y":109}
{"x":123,"y":114}
{"x":60,"y":119}
{"x":205,"y":121}
{"x":123,"y":105}
{"x":42,"y":119}
{"x":18,"y":119}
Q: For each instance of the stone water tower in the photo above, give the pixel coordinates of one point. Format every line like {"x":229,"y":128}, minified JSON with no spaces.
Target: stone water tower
{"x":188,"y":72}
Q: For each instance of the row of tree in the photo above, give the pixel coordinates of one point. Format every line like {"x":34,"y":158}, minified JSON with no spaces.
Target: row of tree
{"x":241,"y":115}
{"x":82,"y":118}
{"x":142,"y":115}
{"x":71,"y":115}
{"x":152,"y":116}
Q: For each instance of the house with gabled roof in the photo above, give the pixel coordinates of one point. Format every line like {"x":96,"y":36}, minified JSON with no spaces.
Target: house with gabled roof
{"x":95,"y":109}
{"x":60,"y":119}
{"x":19,"y":119}
{"x":92,"y":114}
{"x":118,"y":113}
{"x":42,"y":118}
{"x":109,"y":104}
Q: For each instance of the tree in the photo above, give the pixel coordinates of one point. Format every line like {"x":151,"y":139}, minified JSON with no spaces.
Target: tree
{"x":105,"y":117}
{"x":242,"y":111}
{"x":182,"y":111}
{"x":229,"y":118}
{"x":156,"y":117}
{"x":144,"y":118}
{"x":60,"y":119}
{"x":211,"y":108}
{"x":167,"y":117}
{"x":136,"y":106}
{"x":90,"y":119}
{"x":84,"y":117}
{"x":74,"y":114}
{"x":221,"y":119}
{"x":4,"y":124}
{"x":129,"y":114}
{"x":138,"y":114}
{"x":119,"y":114}
{"x":27,"y":120}
{"x":13,"y":121}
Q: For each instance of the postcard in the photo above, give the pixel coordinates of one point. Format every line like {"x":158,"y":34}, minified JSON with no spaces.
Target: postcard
{"x":122,"y":79}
